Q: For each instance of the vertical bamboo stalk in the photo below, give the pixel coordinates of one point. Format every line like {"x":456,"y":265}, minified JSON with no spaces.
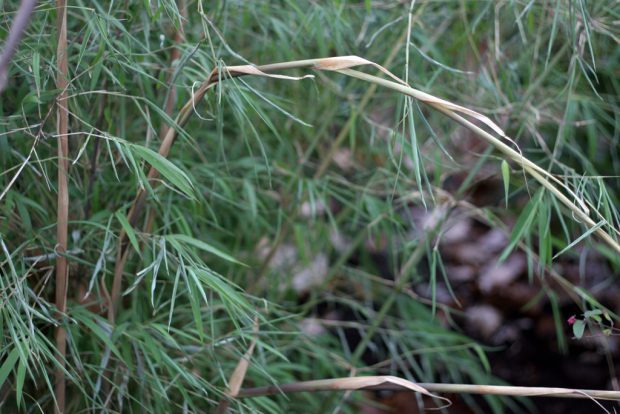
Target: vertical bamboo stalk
{"x":62,"y":273}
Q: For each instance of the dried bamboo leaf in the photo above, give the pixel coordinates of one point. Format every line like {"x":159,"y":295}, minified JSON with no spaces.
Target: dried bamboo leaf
{"x":381,"y":382}
{"x":253,"y":70}
{"x":238,"y":375}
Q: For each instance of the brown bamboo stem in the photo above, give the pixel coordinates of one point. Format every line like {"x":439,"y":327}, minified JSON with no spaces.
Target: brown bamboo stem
{"x":62,"y":219}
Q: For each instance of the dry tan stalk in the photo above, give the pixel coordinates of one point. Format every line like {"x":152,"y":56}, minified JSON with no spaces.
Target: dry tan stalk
{"x":343,"y":64}
{"x":380,"y":382}
{"x":62,"y":220}
{"x":394,"y":383}
{"x":523,"y":391}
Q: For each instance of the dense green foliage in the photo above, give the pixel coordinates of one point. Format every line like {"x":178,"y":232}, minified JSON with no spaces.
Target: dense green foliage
{"x":324,"y":171}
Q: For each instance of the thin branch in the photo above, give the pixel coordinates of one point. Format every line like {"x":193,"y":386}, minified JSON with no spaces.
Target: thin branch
{"x":339,"y":384}
{"x":62,"y":270}
{"x":381,"y":382}
{"x":15,"y":35}
{"x":94,"y":158}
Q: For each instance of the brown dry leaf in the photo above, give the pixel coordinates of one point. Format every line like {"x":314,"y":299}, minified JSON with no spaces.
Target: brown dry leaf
{"x":238,"y":375}
{"x":382,"y":382}
{"x":253,"y":70}
{"x":347,"y":62}
{"x":341,"y":63}
{"x":433,"y":100}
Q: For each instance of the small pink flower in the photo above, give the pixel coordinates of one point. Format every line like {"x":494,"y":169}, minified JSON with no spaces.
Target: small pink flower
{"x":572,"y":320}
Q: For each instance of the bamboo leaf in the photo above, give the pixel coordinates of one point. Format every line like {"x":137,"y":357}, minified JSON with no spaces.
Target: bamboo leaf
{"x":580,"y":238}
{"x":8,"y":365}
{"x":182,"y":238}
{"x":523,"y":224}
{"x":120,"y":216}
{"x":19,"y":381}
{"x":166,"y":168}
{"x":506,"y":179}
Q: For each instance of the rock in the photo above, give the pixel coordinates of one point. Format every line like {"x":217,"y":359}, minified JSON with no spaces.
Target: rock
{"x":301,"y":276}
{"x":343,"y":158}
{"x":311,"y":275}
{"x":496,"y":275}
{"x":460,"y":273}
{"x":312,"y":327}
{"x":456,"y":231}
{"x":312,"y":210}
{"x":494,"y":240}
{"x":340,"y":241}
{"x":484,"y":320}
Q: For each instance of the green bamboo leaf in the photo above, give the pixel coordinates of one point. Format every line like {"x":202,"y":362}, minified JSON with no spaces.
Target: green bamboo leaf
{"x":8,"y":365}
{"x":583,"y":236}
{"x":433,"y":281}
{"x":99,"y":332}
{"x":174,"y":295}
{"x":557,"y":318}
{"x":96,"y":71}
{"x":483,"y":358}
{"x":506,"y":178}
{"x":36,"y":70}
{"x":182,"y":238}
{"x":194,"y":301}
{"x":19,"y":381}
{"x":250,"y":195}
{"x":522,"y":224}
{"x":166,"y":168}
{"x":131,"y":234}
